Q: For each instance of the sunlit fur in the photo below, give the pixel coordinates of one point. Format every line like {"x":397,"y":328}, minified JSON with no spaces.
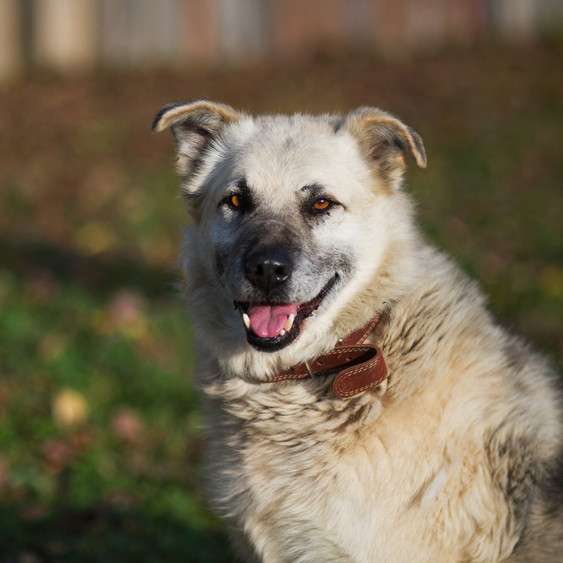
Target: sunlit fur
{"x":456,"y":458}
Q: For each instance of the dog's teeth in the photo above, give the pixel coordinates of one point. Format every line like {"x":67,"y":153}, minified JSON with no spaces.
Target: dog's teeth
{"x":246,"y":320}
{"x":282,"y":333}
{"x":289,"y":322}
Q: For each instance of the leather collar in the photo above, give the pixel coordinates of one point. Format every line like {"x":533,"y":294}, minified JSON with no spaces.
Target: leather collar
{"x":358,"y":366}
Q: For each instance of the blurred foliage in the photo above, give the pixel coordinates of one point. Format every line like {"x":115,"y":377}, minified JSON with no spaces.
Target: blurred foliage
{"x":99,"y":425}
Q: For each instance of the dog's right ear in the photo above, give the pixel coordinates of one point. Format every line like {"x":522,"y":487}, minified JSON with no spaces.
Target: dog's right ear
{"x":194,"y":125}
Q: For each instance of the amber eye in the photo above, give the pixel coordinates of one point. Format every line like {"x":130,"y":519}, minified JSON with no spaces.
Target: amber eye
{"x":234,"y":201}
{"x":321,"y":204}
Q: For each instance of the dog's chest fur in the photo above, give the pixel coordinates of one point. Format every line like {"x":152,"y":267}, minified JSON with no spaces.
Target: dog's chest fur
{"x":359,"y":480}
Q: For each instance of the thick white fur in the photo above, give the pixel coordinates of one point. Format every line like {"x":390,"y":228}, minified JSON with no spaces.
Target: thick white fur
{"x":406,"y":473}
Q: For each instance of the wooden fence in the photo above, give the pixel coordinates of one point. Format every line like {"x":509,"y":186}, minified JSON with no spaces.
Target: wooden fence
{"x":76,"y":34}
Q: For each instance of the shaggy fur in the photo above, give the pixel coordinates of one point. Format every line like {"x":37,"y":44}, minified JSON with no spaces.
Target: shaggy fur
{"x":457,"y":457}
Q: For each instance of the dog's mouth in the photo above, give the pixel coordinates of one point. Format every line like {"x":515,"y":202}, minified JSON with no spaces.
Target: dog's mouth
{"x":273,"y":326}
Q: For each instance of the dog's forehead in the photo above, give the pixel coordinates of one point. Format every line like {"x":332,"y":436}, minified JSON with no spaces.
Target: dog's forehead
{"x":279,"y":155}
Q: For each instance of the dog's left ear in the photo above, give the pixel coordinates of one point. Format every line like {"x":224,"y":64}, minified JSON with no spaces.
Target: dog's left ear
{"x":385,"y":142}
{"x":194,"y":125}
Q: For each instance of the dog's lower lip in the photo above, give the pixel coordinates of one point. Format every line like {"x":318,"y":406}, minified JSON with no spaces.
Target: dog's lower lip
{"x":304,"y":310}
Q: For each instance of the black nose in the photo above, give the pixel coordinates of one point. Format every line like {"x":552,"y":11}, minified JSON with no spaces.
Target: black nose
{"x":268,"y":267}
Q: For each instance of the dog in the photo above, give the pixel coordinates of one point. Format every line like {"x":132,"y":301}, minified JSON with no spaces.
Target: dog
{"x":361,"y":403}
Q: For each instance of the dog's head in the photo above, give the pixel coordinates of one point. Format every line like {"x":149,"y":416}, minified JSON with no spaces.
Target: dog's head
{"x":292,"y":215}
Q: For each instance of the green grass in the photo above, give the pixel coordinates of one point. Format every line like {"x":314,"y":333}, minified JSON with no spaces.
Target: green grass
{"x":100,"y":441}
{"x":123,"y":476}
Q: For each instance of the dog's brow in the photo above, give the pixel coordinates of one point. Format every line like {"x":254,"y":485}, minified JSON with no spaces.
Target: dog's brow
{"x":313,"y":189}
{"x":241,"y":184}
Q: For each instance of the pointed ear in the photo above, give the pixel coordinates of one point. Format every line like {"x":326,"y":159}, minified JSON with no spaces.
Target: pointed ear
{"x":385,"y":142}
{"x":194,"y":125}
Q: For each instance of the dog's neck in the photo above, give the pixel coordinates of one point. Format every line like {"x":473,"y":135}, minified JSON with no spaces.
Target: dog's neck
{"x":408,"y":335}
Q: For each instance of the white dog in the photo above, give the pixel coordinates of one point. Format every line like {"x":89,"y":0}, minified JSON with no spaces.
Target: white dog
{"x":363,"y":404}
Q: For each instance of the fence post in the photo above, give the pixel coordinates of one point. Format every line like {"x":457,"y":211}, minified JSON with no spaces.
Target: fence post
{"x":65,"y":33}
{"x":243,"y":34}
{"x":11,"y":56}
{"x":201,"y":33}
{"x":516,"y":19}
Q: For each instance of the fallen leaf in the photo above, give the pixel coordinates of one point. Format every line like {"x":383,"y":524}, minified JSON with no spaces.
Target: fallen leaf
{"x":128,"y":425}
{"x":70,"y":408}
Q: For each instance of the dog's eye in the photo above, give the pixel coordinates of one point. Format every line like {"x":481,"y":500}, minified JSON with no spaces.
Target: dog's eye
{"x":234,"y":201}
{"x":321,"y":204}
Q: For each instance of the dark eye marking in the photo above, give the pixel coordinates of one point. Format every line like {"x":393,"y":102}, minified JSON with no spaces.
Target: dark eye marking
{"x":238,"y":198}
{"x":313,"y":189}
{"x":318,"y":202}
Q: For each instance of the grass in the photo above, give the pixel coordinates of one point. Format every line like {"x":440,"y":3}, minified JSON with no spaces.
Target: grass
{"x":98,"y":427}
{"x":99,"y":423}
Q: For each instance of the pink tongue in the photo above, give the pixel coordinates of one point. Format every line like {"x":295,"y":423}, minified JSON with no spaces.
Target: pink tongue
{"x":268,"y":321}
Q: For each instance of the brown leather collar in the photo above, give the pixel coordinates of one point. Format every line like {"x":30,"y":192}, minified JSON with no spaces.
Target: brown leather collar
{"x":358,"y":366}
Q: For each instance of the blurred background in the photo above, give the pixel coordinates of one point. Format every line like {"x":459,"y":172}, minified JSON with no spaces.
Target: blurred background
{"x":99,"y":424}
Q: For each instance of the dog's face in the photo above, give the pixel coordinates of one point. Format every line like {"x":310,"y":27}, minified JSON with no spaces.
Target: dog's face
{"x":292,"y":213}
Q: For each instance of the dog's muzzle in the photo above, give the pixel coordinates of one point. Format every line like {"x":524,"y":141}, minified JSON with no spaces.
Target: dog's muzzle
{"x":268,"y":268}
